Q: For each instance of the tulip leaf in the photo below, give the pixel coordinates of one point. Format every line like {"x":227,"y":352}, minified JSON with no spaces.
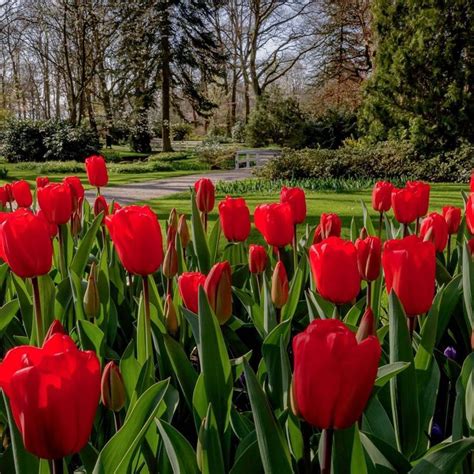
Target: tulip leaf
{"x":201,"y":248}
{"x":318,"y":307}
{"x":377,"y":422}
{"x":463,"y":408}
{"x":386,"y":372}
{"x":271,"y":441}
{"x":451,"y":295}
{"x":180,"y":453}
{"x":209,"y":445}
{"x":7,"y":313}
{"x":348,"y":453}
{"x":269,"y":318}
{"x":119,"y":451}
{"x":214,"y":239}
{"x":248,"y":458}
{"x":403,"y":387}
{"x":288,"y":311}
{"x":368,"y":224}
{"x":91,"y":337}
{"x":444,"y":457}
{"x":26,"y":303}
{"x":143,"y":337}
{"x":47,"y":291}
{"x":468,"y":283}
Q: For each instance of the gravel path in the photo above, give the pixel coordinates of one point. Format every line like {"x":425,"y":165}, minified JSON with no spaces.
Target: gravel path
{"x":146,"y":190}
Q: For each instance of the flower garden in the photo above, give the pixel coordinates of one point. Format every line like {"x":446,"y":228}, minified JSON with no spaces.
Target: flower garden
{"x":131,"y":348}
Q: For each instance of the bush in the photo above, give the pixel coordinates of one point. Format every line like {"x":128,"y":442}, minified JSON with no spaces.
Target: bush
{"x":385,"y":160}
{"x":52,"y":167}
{"x":26,"y":140}
{"x":120,"y":132}
{"x":140,"y":138}
{"x":216,"y":156}
{"x":181,"y":131}
{"x":238,"y":131}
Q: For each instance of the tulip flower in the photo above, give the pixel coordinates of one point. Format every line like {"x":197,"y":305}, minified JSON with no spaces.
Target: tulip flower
{"x":330,"y":225}
{"x":183,"y":232}
{"x":435,"y":229}
{"x":453,"y":217}
{"x":205,"y":198}
{"x":404,"y":206}
{"x":280,"y":286}
{"x":369,"y":260}
{"x":218,"y":288}
{"x":77,"y":190}
{"x":172,"y":228}
{"x":409,"y":265}
{"x":235,"y":219}
{"x":41,"y":181}
{"x":422,"y":196}
{"x":275,"y":223}
{"x":170,"y":265}
{"x":55,"y":328}
{"x":55,"y":200}
{"x":333,"y":377}
{"x":295,"y":197}
{"x":470,"y":213}
{"x":382,"y":196}
{"x":367,"y":325}
{"x":470,"y":246}
{"x":3,"y":197}
{"x":97,"y":171}
{"x":22,"y":193}
{"x":100,"y":205}
{"x":112,"y":388}
{"x":335,"y":270}
{"x":53,"y":228}
{"x":54,"y":393}
{"x":471,"y":184}
{"x":188,"y":285}
{"x":9,"y":193}
{"x":257,"y":259}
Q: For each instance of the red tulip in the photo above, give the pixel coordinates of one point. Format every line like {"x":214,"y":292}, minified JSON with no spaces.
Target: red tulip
{"x":205,"y":194}
{"x":77,"y":190}
{"x":275,"y":223}
{"x":333,"y":374}
{"x":22,"y":193}
{"x":218,"y":288}
{"x":295,"y":197}
{"x":55,"y":328}
{"x":41,"y":181}
{"x":280,"y":286}
{"x":453,"y":217}
{"x":100,"y":205}
{"x":53,"y":228}
{"x":235,"y":219}
{"x":97,"y":171}
{"x":188,"y":285}
{"x":382,"y":196}
{"x":422,"y":196}
{"x":3,"y":196}
{"x":409,"y":265}
{"x":257,"y":258}
{"x":54,"y":392}
{"x":9,"y":192}
{"x":470,"y":246}
{"x":405,"y":206}
{"x":330,"y":225}
{"x":369,"y":257}
{"x":472,"y":182}
{"x":470,"y":213}
{"x":335,"y":271}
{"x":116,"y":206}
{"x":55,"y":200}
{"x":435,"y":229}
{"x":25,"y":243}
{"x":136,"y":234}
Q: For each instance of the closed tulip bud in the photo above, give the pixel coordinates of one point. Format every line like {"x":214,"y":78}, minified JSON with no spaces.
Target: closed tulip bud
{"x":188,"y":285}
{"x":257,"y":259}
{"x":171,"y":318}
{"x":405,"y":206}
{"x":367,"y":326}
{"x":275,"y":223}
{"x":363,"y":233}
{"x":91,"y":295}
{"x":369,"y":257}
{"x":55,"y":328}
{"x":112,"y":388}
{"x":97,"y":171}
{"x":333,"y":374}
{"x":452,"y":216}
{"x":170,"y":262}
{"x":205,"y":195}
{"x":382,"y":196}
{"x":76,"y":224}
{"x":235,"y":219}
{"x":183,"y":231}
{"x":422,"y":196}
{"x":172,"y":226}
{"x":434,"y":229}
{"x":218,"y":287}
{"x":330,"y":225}
{"x":335,"y":270}
{"x":296,"y":198}
{"x":409,"y":266}
{"x":470,"y":213}
{"x":279,"y":285}
{"x":22,"y":193}
{"x":100,"y":205}
{"x":55,"y":200}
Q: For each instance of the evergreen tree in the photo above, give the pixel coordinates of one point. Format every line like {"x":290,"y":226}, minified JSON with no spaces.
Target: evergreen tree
{"x":423,"y":85}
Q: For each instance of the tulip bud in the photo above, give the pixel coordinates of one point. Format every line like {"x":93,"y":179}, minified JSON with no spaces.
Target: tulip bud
{"x":218,"y":288}
{"x":112,"y":388}
{"x":172,"y":323}
{"x":369,"y":257}
{"x":205,"y":194}
{"x":257,"y":259}
{"x":76,"y":224}
{"x":100,"y":205}
{"x":170,"y":262}
{"x":91,"y":296}
{"x":55,"y":328}
{"x":363,"y":233}
{"x":279,"y":285}
{"x":183,"y":231}
{"x":367,"y":326}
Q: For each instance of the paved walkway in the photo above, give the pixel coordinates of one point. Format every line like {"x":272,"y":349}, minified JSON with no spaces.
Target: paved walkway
{"x":146,"y":190}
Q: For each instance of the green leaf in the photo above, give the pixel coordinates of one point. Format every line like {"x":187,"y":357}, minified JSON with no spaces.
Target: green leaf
{"x":271,"y":441}
{"x":209,"y":447}
{"x":468,"y":283}
{"x":463,"y":414}
{"x":200,"y":245}
{"x":348,"y":453}
{"x":296,"y":286}
{"x":118,"y":453}
{"x":386,"y":372}
{"x":79,"y":262}
{"x":214,"y":238}
{"x":444,"y":458}
{"x":180,"y":453}
{"x":91,"y":337}
{"x":403,"y":387}
{"x":7,"y":313}
{"x":368,"y":224}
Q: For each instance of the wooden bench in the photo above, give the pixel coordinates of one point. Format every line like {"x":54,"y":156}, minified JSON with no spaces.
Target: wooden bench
{"x":254,"y":157}
{"x":156,"y":143}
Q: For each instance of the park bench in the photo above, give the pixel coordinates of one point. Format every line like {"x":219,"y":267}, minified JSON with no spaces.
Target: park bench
{"x":254,"y":157}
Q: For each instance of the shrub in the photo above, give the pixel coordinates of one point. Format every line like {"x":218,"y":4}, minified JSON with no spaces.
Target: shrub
{"x":181,"y":131}
{"x":238,"y":131}
{"x":119,"y":131}
{"x":385,"y":160}
{"x":216,"y":156}
{"x":23,"y":141}
{"x":52,"y":167}
{"x":140,"y":138}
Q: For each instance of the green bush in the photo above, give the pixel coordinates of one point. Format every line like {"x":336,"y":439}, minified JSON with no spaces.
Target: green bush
{"x":216,"y":156}
{"x":173,"y":156}
{"x":386,"y":160}
{"x":181,"y":131}
{"x":52,"y":167}
{"x":23,"y":140}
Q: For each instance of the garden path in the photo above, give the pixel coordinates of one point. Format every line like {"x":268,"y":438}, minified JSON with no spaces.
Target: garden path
{"x":146,"y":190}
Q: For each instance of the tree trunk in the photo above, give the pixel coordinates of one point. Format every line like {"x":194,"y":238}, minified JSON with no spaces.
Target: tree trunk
{"x":165,"y":80}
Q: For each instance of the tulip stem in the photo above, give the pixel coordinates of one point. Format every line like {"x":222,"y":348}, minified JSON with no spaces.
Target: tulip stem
{"x":38,"y":314}
{"x":380,"y":224}
{"x":411,"y":326}
{"x":327,"y":451}
{"x":146,"y":302}
{"x":117,"y":420}
{"x":306,"y":433}
{"x":449,"y":251}
{"x":295,"y":249}
{"x":369,"y":295}
{"x":405,"y":230}
{"x":417,"y":230}
{"x":169,"y":286}
{"x":57,"y":465}
{"x":62,"y":251}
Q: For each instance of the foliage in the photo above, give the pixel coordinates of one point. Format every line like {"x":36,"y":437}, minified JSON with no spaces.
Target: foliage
{"x":422,"y":87}
{"x":140,"y":136}
{"x":179,"y":131}
{"x":238,"y":131}
{"x":216,"y":156}
{"x":26,"y":140}
{"x":386,"y":160}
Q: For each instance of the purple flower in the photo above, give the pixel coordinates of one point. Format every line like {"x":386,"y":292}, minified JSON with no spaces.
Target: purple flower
{"x":450,"y":352}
